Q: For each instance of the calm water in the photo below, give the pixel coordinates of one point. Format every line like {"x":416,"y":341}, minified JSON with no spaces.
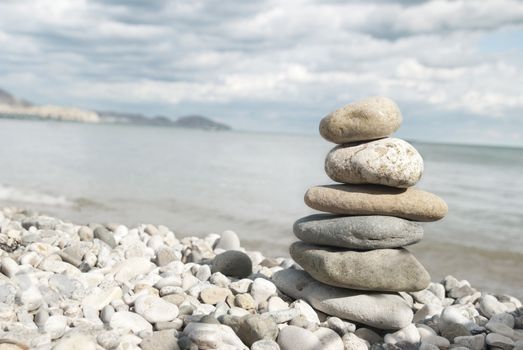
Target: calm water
{"x":198,"y":182}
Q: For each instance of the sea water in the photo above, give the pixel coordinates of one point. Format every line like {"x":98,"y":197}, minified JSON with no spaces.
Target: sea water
{"x":198,"y":182}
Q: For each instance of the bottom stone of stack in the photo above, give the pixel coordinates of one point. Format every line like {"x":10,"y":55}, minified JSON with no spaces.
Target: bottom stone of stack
{"x":383,"y":270}
{"x":380,"y":310}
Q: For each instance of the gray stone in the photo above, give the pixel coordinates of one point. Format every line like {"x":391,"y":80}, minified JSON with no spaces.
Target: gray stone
{"x":354,"y":342}
{"x":390,"y":162}
{"x":451,"y":330}
{"x":367,"y":119}
{"x":490,"y":306}
{"x":329,"y":339}
{"x":379,"y":310}
{"x":499,"y":341}
{"x":105,"y":235}
{"x":410,"y":203}
{"x":232,"y":263}
{"x":212,"y":336}
{"x":358,"y":232}
{"x":473,"y":342}
{"x":265,"y":344}
{"x":255,"y":327}
{"x":374,"y":270}
{"x":292,"y":338}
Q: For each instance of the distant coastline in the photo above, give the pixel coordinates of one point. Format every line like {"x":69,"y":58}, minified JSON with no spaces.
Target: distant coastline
{"x":12,"y":107}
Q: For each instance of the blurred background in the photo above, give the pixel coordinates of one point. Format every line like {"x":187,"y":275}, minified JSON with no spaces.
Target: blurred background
{"x":204,"y":115}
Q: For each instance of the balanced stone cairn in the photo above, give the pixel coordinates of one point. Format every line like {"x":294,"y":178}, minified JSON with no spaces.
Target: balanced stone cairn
{"x":355,"y":255}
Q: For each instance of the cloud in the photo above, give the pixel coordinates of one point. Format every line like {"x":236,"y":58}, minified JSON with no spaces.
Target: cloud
{"x":252,"y":62}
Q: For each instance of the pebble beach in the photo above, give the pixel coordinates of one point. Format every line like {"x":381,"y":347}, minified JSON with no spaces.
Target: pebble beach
{"x":69,"y":286}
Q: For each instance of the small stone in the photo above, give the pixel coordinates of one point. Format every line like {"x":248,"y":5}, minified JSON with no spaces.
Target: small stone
{"x":214,"y":295}
{"x":155,"y":309}
{"x":292,"y":338}
{"x":451,"y":330}
{"x":408,"y":334}
{"x":255,"y":327}
{"x":490,"y":306}
{"x":164,"y":256}
{"x":352,"y":342}
{"x":265,"y":344}
{"x":160,"y":340}
{"x":55,"y":326}
{"x":340,"y":327}
{"x":131,"y":321}
{"x":232,"y":263}
{"x":329,"y":339}
{"x":241,"y":286}
{"x":105,"y":236}
{"x":389,"y":161}
{"x":369,"y":335}
{"x":101,"y":298}
{"x":77,"y":342}
{"x":378,"y":270}
{"x":367,"y":119}
{"x":410,"y":203}
{"x":262,"y":289}
{"x":212,"y":336}
{"x":228,"y":241}
{"x":306,"y":310}
{"x":499,"y":341}
{"x":245,"y":301}
{"x":358,"y":232}
{"x":472,"y":342}
{"x":128,"y":269}
{"x":85,"y":233}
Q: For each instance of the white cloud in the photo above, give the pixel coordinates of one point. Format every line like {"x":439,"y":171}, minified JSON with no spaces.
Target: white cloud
{"x":264,"y":58}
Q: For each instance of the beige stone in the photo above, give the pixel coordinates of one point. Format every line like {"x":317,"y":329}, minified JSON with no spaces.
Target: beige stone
{"x":368,"y":119}
{"x":410,"y":203}
{"x":390,"y":162}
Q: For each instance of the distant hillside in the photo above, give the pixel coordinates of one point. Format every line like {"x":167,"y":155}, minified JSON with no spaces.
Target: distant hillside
{"x":14,"y":108}
{"x":199,"y":122}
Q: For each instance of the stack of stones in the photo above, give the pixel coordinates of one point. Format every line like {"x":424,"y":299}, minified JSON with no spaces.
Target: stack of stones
{"x":359,"y":246}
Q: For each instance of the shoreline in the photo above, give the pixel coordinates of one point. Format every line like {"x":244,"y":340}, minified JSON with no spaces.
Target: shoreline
{"x":144,"y":288}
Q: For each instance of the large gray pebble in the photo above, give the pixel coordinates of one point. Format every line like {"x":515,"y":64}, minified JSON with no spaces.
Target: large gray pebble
{"x":232,"y":263}
{"x":358,"y":232}
{"x":255,"y":327}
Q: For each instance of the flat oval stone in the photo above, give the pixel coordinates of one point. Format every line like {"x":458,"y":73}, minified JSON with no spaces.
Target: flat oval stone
{"x":379,"y":310}
{"x":358,"y":232}
{"x":368,"y":119}
{"x":390,"y":162}
{"x":410,"y":203}
{"x":383,"y":270}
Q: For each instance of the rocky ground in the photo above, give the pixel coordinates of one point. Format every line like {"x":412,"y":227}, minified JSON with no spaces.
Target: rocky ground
{"x":67,"y":286}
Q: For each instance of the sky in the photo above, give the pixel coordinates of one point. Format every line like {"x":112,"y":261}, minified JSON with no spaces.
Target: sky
{"x":455,"y":68}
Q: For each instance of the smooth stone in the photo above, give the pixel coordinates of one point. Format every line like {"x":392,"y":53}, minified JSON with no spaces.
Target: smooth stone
{"x":410,"y":203}
{"x":358,"y":232}
{"x":155,"y":309}
{"x":131,"y":321}
{"x":55,"y":326}
{"x":245,"y":301}
{"x":102,"y":298}
{"x":292,"y":338}
{"x":329,"y":339}
{"x":160,"y":340}
{"x":389,"y":162}
{"x":126,"y":270}
{"x":255,"y":327}
{"x":212,"y":336}
{"x":379,"y":310}
{"x":306,"y":310}
{"x":265,"y":344}
{"x":262,"y":289}
{"x":229,"y":240}
{"x":232,"y":263}
{"x":76,"y":342}
{"x":367,"y":119}
{"x":408,"y":334}
{"x":472,"y":342}
{"x":352,"y":342}
{"x":490,"y":306}
{"x":499,"y":341}
{"x":384,"y":270}
{"x":214,"y":295}
{"x":105,"y":235}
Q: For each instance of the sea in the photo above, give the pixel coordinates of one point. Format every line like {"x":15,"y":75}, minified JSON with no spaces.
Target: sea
{"x":198,"y":182}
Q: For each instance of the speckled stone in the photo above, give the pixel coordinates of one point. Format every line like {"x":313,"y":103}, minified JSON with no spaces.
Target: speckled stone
{"x":368,"y":119}
{"x":385,"y":270}
{"x":390,"y":162}
{"x":410,"y":203}
{"x":358,"y":232}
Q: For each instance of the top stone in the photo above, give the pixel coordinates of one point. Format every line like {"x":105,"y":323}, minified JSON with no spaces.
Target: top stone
{"x":368,"y":119}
